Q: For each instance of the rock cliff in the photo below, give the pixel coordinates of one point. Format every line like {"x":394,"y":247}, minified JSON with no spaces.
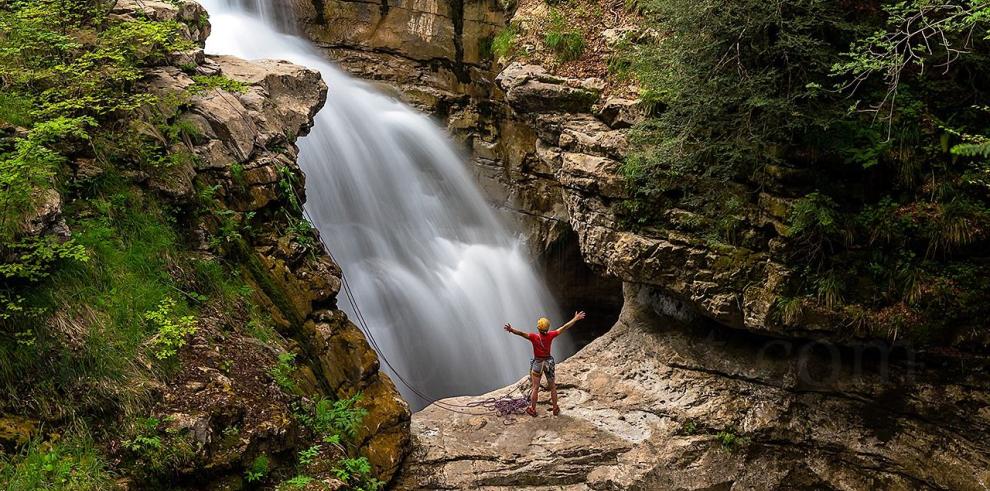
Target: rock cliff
{"x":237,"y":193}
{"x":700,"y":384}
{"x":654,"y":404}
{"x":246,"y":152}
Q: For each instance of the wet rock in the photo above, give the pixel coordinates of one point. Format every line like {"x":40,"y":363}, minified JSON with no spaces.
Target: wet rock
{"x":592,"y":174}
{"x":422,"y":30}
{"x":196,"y":425}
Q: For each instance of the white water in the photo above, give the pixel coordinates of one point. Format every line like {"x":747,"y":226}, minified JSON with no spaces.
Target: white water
{"x":433,"y":270}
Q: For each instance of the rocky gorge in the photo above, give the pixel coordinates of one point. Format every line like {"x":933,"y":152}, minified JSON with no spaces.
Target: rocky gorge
{"x":701,"y":383}
{"x":689,"y":375}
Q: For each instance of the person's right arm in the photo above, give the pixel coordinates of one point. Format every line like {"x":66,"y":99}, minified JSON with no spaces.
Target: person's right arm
{"x":577,"y":316}
{"x":508,"y":328}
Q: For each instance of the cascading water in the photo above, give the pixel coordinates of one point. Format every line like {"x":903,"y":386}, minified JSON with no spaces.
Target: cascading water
{"x":433,"y":270}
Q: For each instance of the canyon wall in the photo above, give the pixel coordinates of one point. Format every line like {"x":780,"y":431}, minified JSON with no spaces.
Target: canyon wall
{"x":237,"y":193}
{"x":247,"y":154}
{"x":699,"y":385}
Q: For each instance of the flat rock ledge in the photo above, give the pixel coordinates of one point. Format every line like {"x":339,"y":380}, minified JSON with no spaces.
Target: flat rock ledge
{"x":656,"y":405}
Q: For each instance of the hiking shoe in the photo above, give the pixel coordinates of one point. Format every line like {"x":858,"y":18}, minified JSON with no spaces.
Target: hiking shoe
{"x":530,"y":411}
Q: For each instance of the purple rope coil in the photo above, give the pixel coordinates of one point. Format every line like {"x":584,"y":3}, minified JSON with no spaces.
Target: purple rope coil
{"x":505,"y":407}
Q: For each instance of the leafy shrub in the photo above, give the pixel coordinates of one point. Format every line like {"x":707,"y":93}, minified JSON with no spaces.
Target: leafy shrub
{"x":297,"y":482}
{"x":356,"y":471}
{"x":260,"y":468}
{"x":334,"y":420}
{"x":205,"y":83}
{"x":282,"y":372}
{"x":171,"y":329}
{"x":728,"y":439}
{"x":154,"y":453}
{"x":840,"y":112}
{"x":307,"y":456}
{"x":689,"y":427}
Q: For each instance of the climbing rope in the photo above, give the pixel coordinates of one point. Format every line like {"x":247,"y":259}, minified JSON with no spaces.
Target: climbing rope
{"x":506,"y":407}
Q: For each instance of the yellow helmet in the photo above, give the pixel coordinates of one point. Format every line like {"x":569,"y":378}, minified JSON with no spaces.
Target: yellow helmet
{"x":543,"y":324}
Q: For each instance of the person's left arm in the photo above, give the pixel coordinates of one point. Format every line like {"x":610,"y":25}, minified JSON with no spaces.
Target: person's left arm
{"x":577,"y":316}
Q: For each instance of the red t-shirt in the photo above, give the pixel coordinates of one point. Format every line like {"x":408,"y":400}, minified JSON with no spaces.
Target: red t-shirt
{"x":541,"y":343}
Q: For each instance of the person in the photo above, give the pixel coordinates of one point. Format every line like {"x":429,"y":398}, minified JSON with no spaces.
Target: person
{"x":543,"y":362}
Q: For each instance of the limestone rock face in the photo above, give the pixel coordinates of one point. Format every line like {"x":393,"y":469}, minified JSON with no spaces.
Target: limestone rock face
{"x":244,"y":151}
{"x":529,"y":88}
{"x":655,"y":405}
{"x":422,"y":30}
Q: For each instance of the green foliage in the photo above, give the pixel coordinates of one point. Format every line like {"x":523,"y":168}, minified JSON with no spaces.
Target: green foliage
{"x":728,"y":439}
{"x":297,"y":482}
{"x":206,"y":83}
{"x":689,"y":427}
{"x":871,"y":142}
{"x":356,"y":472}
{"x":333,"y":420}
{"x":146,"y":440}
{"x":232,"y":229}
{"x":307,"y":456}
{"x":565,"y":41}
{"x":16,"y":109}
{"x":35,"y":256}
{"x":154,"y":451}
{"x":260,"y":468}
{"x":28,"y":170}
{"x":814,"y":222}
{"x":91,"y":349}
{"x":504,"y":44}
{"x":282,"y":372}
{"x":171,"y":329}
{"x":71,"y":463}
{"x":302,"y":233}
{"x":237,"y":172}
{"x":287,"y":184}
{"x":917,"y":35}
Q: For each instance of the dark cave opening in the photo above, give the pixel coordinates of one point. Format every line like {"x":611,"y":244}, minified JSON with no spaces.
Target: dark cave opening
{"x":576,"y":286}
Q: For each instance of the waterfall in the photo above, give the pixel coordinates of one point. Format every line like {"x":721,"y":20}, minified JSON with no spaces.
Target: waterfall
{"x":432,"y":268}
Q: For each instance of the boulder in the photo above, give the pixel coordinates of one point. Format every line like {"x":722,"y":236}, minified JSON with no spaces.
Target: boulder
{"x":45,"y":218}
{"x":530,"y":89}
{"x":620,"y":113}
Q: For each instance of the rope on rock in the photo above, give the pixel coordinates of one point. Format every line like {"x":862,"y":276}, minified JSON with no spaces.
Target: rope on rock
{"x":506,"y":407}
